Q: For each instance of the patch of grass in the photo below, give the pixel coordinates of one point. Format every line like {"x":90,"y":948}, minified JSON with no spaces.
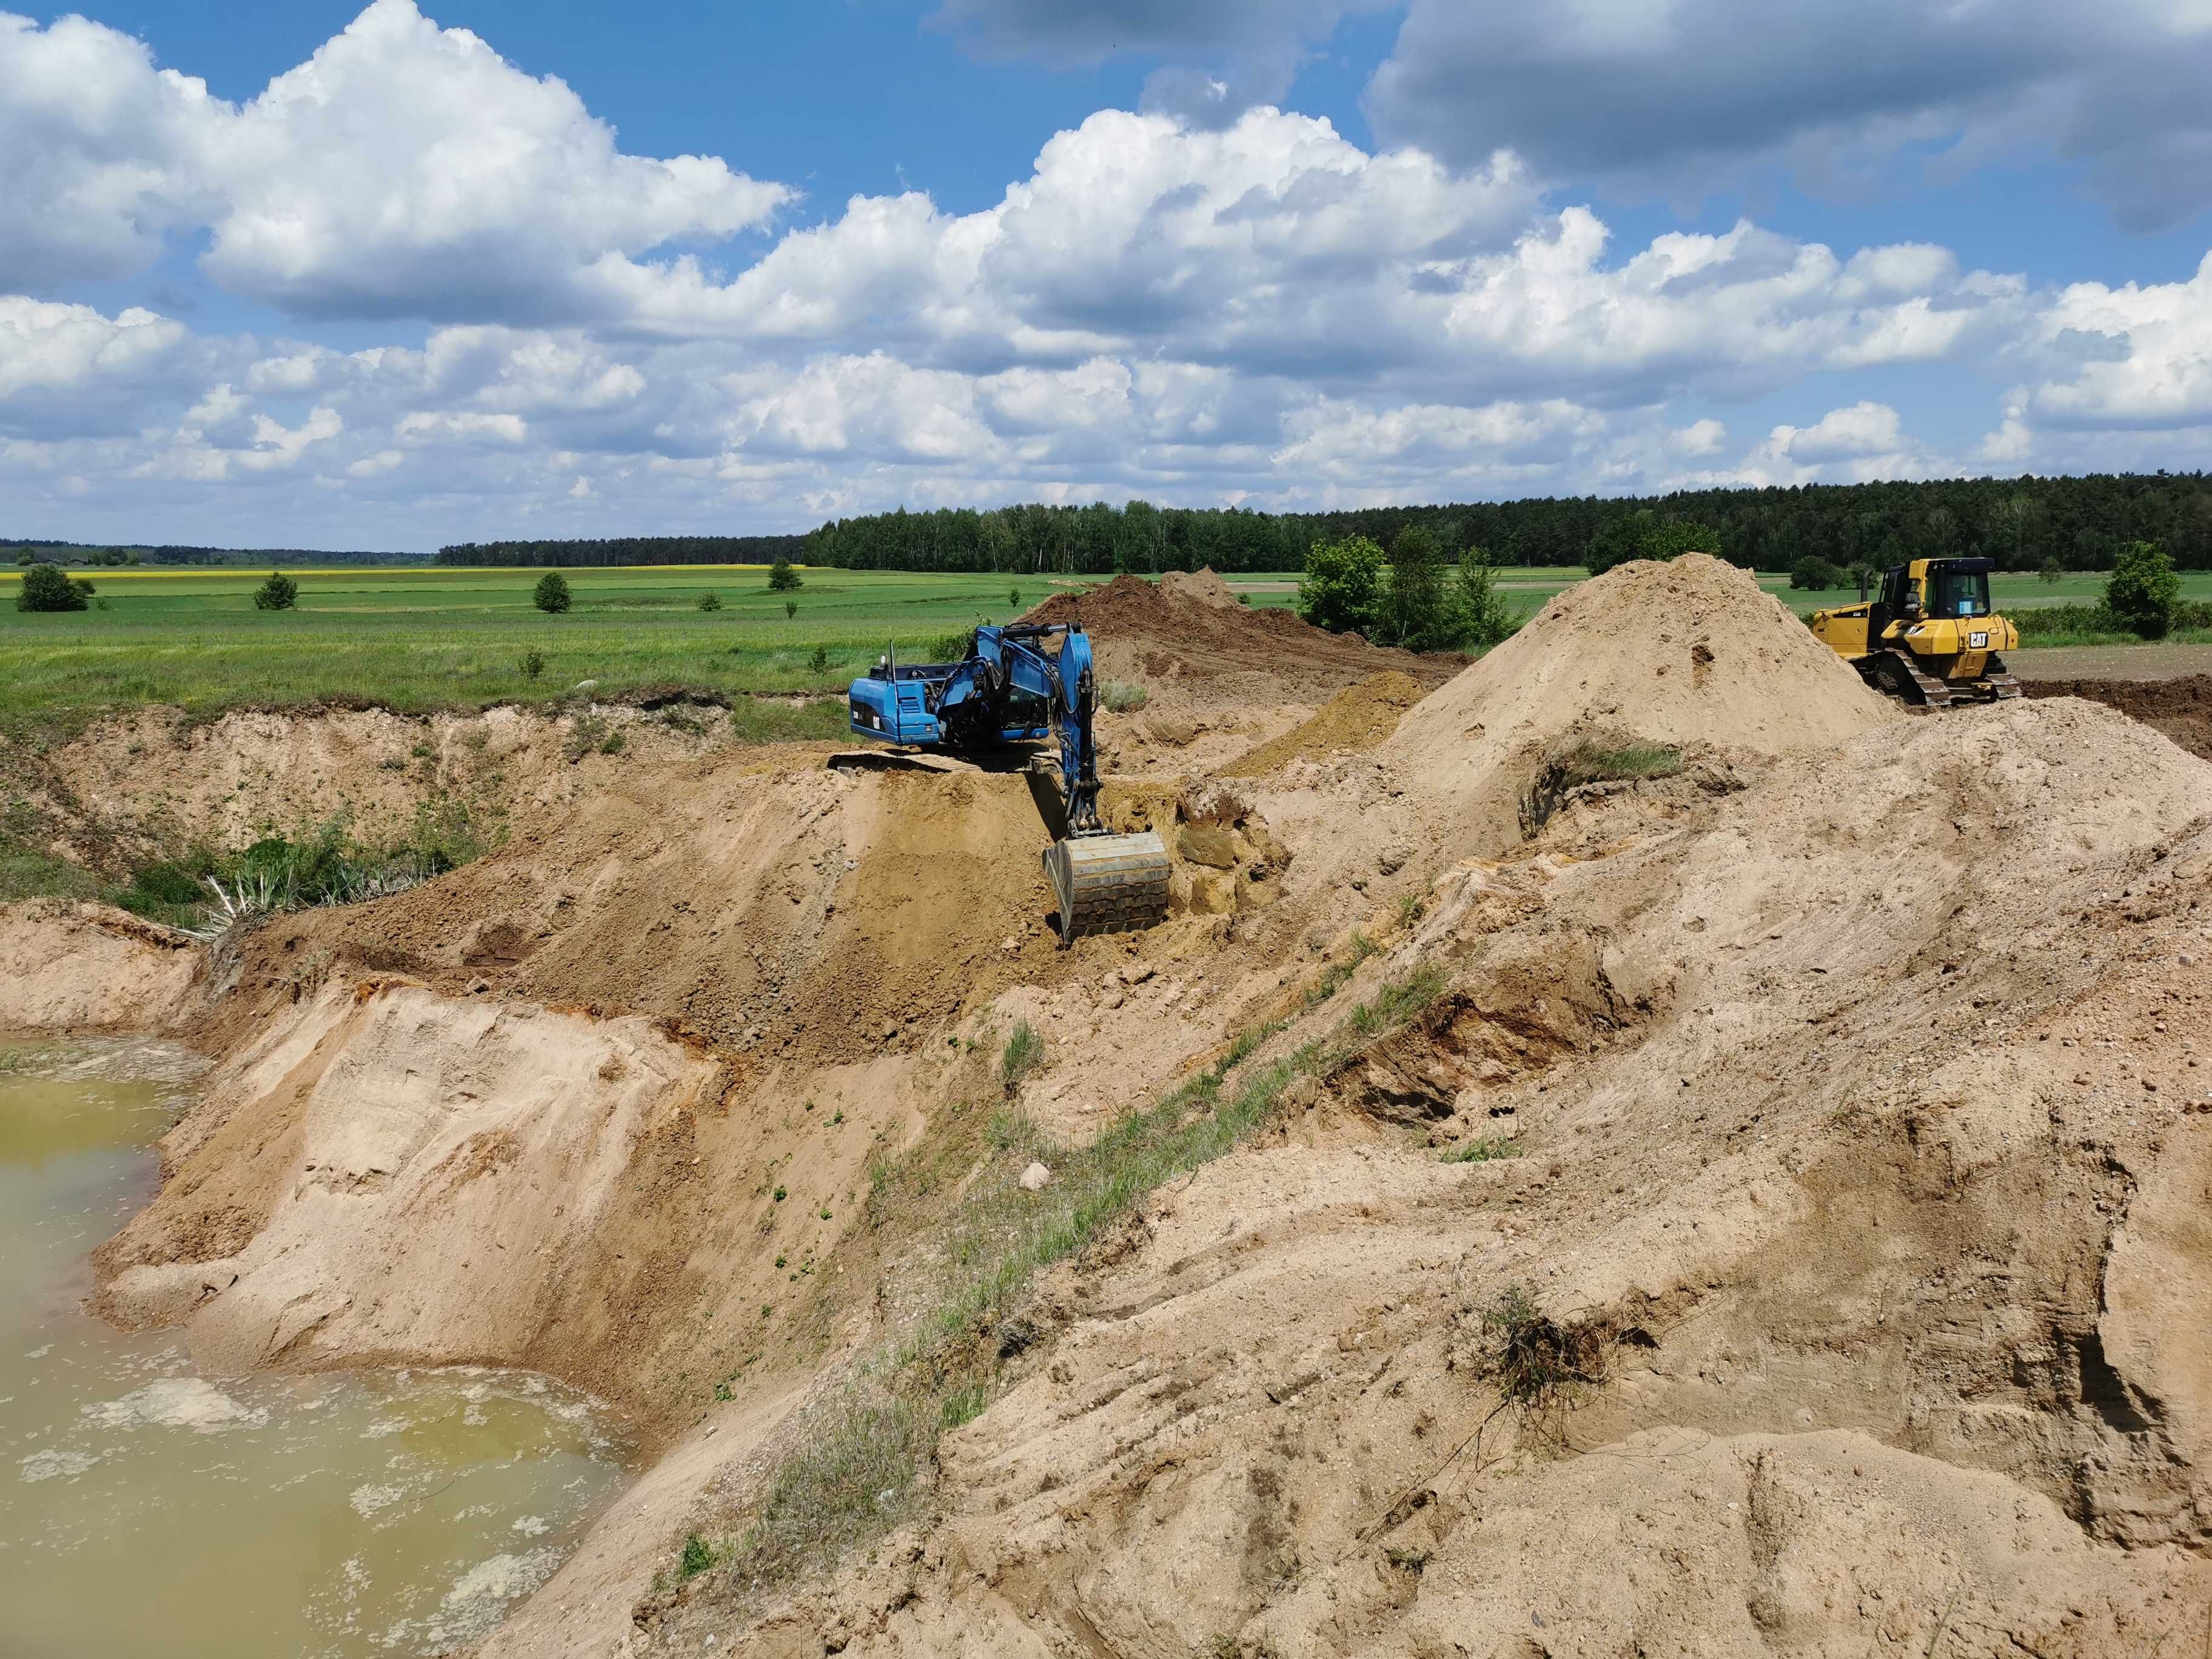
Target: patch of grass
{"x":1406,"y":1561}
{"x":1398,"y":1001}
{"x":856,"y":1474}
{"x":1024,"y":1052}
{"x":698,"y":1556}
{"x":1123,"y":696}
{"x":1337,"y":974}
{"x":1590,"y":762}
{"x":964,"y":1405}
{"x":1485,"y":1149}
{"x":787,"y":720}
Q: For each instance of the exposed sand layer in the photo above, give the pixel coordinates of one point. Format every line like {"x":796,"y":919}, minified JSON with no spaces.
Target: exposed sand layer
{"x":1846,"y":1085}
{"x":67,"y":966}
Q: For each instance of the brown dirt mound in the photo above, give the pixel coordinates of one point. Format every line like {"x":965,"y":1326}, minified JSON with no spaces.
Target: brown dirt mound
{"x":1200,"y":585}
{"x":1358,"y":717}
{"x":1182,"y":643}
{"x":1692,"y":651}
{"x":2181,"y":708}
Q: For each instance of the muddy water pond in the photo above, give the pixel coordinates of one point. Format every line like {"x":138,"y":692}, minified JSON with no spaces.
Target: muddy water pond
{"x":147,"y":1511}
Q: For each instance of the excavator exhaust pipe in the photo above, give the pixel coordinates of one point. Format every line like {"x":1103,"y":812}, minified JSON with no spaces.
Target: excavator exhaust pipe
{"x":1108,"y":883}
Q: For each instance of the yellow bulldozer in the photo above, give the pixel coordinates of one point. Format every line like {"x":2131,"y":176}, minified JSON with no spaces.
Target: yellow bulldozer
{"x":1926,"y":636}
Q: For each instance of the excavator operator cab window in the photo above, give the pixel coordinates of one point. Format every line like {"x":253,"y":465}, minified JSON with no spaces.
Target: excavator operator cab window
{"x":1959,"y":594}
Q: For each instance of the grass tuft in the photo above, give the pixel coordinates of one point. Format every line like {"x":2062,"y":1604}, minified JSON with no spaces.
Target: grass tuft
{"x":1024,"y":1052}
{"x":1488,"y":1149}
{"x":1123,"y":696}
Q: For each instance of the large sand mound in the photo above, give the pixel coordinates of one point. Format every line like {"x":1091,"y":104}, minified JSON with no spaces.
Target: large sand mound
{"x":1688,"y":652}
{"x":1188,"y":639}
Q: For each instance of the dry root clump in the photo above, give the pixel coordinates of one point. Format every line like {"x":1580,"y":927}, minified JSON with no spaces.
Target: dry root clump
{"x":1537,"y":1363}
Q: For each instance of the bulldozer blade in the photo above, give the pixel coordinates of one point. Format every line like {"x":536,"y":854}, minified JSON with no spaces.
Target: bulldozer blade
{"x":1108,"y":883}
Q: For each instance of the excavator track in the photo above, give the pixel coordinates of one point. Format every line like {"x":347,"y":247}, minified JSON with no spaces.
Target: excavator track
{"x":1108,"y":883}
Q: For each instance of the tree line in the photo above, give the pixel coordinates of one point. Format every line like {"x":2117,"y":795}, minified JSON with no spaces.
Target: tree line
{"x":2078,"y":523}
{"x":627,"y":549}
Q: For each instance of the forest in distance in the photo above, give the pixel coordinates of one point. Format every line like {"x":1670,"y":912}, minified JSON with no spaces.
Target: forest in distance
{"x":2024,"y":524}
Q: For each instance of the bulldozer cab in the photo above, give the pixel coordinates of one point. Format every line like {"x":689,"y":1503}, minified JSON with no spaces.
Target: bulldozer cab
{"x":1946,"y":589}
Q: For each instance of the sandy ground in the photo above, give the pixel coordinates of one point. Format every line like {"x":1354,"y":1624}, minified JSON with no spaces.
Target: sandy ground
{"x":2112,"y":662}
{"x":1850,"y":1074}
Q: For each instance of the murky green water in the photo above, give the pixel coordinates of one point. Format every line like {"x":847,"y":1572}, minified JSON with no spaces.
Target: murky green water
{"x":147,"y":1511}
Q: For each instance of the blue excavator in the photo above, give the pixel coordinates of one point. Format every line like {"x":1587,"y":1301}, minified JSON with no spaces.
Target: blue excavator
{"x":1021,"y":684}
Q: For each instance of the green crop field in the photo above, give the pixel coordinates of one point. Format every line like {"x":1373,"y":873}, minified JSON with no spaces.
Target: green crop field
{"x":427,"y":637}
{"x":432,"y":638}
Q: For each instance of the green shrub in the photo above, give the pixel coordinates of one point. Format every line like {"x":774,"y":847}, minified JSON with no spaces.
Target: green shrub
{"x":279,"y":592}
{"x":1815,"y":572}
{"x":1418,"y":610}
{"x":2051,"y":571}
{"x":1485,"y":1149}
{"x":1342,"y":587}
{"x":709,"y":600}
{"x":45,"y":588}
{"x":1484,"y":619}
{"x":819,"y":662}
{"x":2143,"y":590}
{"x":533,"y":664}
{"x":551,"y":594}
{"x":791,"y":611}
{"x":698,"y":1556}
{"x":782,"y":579}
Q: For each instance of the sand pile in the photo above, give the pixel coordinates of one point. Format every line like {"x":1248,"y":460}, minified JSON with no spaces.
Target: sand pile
{"x":2181,"y":708}
{"x":1192,"y":644}
{"x":1202,"y":585}
{"x":1355,"y":719}
{"x":1872,"y":1175}
{"x":1688,"y":652}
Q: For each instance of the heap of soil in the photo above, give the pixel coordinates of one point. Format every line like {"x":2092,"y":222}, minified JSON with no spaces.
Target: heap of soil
{"x":1193,"y":643}
{"x":1203,"y":586}
{"x":2182,"y":708}
{"x":1355,"y":719}
{"x":1688,"y":652}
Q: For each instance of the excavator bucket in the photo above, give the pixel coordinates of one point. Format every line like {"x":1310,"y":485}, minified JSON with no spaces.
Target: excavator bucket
{"x":1108,"y":883}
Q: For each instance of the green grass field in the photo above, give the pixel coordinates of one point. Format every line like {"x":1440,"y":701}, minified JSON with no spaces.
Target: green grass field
{"x":424,"y":638}
{"x":432,"y":638}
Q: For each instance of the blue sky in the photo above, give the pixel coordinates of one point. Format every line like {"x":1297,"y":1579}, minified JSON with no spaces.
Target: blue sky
{"x":322,"y":276}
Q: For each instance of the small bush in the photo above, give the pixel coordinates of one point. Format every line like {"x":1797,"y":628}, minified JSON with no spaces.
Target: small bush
{"x":2143,"y":590}
{"x":533,"y":664}
{"x":2051,"y":571}
{"x":1014,"y":598}
{"x":1484,"y":620}
{"x":782,"y":579}
{"x":45,"y":588}
{"x":1342,"y":587}
{"x":1024,"y":1050}
{"x":551,"y":594}
{"x":1122,"y":696}
{"x":698,"y":1556}
{"x":791,"y":611}
{"x":1815,"y":572}
{"x":709,"y":600}
{"x":279,"y":592}
{"x":819,"y":662}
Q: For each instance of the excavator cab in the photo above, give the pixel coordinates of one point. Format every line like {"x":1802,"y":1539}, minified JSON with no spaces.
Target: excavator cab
{"x":1928,"y":635}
